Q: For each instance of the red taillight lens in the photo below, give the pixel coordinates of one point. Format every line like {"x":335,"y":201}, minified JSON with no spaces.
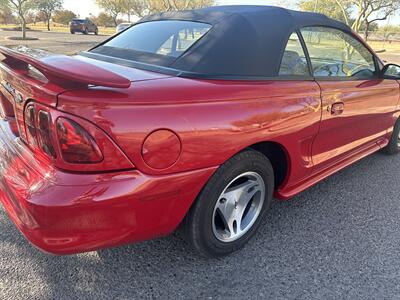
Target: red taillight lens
{"x":30,"y":125}
{"x":76,"y":145}
{"x":70,"y":143}
{"x":44,"y":134}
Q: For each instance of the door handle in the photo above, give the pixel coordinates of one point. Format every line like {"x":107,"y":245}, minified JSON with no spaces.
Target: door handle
{"x":337,"y":108}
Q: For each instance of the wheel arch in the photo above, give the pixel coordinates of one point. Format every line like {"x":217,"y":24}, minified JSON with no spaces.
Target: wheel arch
{"x":277,"y":155}
{"x":279,"y":158}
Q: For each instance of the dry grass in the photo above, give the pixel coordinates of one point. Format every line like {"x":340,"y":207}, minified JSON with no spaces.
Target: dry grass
{"x":391,"y":50}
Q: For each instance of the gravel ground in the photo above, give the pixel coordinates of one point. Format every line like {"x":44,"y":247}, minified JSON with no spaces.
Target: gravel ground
{"x":337,"y":240}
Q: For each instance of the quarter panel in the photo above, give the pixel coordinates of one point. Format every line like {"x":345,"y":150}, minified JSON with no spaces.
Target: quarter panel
{"x":213,"y":119}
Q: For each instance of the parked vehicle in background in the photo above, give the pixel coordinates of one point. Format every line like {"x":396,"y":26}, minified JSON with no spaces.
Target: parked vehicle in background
{"x":84,"y":26}
{"x":195,"y":118}
{"x":123,"y":26}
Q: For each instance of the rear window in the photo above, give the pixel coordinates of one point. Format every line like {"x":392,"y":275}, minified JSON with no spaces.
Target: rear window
{"x":78,"y":21}
{"x":155,"y":42}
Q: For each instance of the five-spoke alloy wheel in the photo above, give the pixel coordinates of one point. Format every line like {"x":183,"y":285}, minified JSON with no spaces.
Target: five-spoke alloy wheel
{"x":238,"y":207}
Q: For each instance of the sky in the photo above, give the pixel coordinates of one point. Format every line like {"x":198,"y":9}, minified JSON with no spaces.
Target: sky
{"x":86,"y":7}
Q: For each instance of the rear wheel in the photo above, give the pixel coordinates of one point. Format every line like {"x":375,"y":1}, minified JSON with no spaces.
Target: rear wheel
{"x":96,"y":32}
{"x":231,"y":206}
{"x":85,"y":31}
{"x":394,"y":144}
{"x":72,"y":32}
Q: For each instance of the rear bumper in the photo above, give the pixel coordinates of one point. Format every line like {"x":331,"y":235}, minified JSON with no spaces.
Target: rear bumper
{"x":63,"y":213}
{"x":76,"y":28}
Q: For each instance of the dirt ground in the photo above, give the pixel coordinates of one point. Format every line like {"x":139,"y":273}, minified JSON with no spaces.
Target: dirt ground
{"x":389,"y":51}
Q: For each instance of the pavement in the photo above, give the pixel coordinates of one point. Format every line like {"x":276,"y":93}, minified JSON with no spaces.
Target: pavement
{"x":57,"y":42}
{"x":337,"y":240}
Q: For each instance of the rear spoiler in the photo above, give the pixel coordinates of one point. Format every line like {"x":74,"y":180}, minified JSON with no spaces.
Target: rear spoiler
{"x":64,"y":71}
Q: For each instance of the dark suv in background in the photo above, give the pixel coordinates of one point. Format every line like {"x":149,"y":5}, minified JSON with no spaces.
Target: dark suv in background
{"x":84,"y":26}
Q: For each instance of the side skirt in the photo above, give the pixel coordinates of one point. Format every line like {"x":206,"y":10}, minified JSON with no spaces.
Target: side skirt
{"x":288,"y":192}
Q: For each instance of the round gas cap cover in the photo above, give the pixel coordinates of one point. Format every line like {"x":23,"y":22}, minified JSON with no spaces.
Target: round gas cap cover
{"x":161,"y":149}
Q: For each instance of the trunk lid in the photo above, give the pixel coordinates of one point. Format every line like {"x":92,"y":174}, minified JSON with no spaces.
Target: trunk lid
{"x":133,"y":74}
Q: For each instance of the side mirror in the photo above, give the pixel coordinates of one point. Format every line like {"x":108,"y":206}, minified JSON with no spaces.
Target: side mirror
{"x":391,"y":71}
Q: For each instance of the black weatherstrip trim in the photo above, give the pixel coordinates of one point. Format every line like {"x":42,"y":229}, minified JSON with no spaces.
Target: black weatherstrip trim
{"x":306,"y":53}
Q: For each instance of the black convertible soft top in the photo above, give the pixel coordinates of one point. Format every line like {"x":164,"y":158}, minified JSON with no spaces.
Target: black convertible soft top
{"x":244,"y":41}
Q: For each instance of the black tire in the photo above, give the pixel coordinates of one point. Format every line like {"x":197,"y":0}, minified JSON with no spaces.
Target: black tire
{"x":199,"y":222}
{"x":394,"y":144}
{"x":72,"y":32}
{"x":86,"y":31}
{"x":96,"y":32}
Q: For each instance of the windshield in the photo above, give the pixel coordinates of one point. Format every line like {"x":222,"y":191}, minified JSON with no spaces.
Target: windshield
{"x":150,"y":42}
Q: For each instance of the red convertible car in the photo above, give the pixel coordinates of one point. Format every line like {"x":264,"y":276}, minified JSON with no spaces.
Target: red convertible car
{"x":194,"y":118}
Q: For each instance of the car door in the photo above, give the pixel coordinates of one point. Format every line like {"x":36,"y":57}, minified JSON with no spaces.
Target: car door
{"x":357,"y":105}
{"x":304,"y":93}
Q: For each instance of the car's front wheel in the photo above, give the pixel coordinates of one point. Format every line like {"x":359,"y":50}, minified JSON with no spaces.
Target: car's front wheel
{"x":230,"y":208}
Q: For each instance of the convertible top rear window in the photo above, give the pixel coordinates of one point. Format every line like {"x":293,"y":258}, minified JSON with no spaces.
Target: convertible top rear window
{"x":145,"y":42}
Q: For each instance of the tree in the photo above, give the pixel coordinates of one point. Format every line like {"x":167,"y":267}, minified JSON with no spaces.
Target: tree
{"x":366,"y":12}
{"x":103,"y":19}
{"x":379,"y":11}
{"x":64,"y":16}
{"x":31,"y":17}
{"x":138,"y":8}
{"x":47,"y":8}
{"x":6,"y":16}
{"x":21,"y":8}
{"x":372,"y":27}
{"x":171,"y":5}
{"x":40,"y":17}
{"x":113,"y":7}
{"x":388,"y":31}
{"x":327,"y":7}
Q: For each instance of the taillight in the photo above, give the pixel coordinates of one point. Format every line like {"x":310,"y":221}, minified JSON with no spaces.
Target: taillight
{"x":30,"y":125}
{"x":44,"y":134}
{"x":70,"y":143}
{"x":76,"y":145}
